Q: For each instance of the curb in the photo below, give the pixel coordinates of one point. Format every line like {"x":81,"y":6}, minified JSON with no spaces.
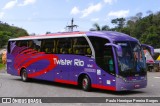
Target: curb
{"x":3,"y":71}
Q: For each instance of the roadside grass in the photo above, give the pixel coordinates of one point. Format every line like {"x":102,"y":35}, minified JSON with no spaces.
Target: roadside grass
{"x":2,"y":66}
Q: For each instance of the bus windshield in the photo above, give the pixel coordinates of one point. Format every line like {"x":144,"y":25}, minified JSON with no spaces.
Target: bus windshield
{"x":132,"y":62}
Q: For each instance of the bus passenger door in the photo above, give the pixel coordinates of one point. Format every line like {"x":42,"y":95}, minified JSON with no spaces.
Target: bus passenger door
{"x":108,"y":75}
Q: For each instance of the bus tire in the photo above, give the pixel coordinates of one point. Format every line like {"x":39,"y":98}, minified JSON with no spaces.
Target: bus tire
{"x":24,"y":75}
{"x":86,"y":83}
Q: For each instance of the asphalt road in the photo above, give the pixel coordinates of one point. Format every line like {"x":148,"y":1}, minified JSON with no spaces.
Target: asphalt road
{"x":12,"y":86}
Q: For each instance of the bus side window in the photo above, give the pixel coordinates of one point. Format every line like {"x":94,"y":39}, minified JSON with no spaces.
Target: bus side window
{"x":75,"y":46}
{"x":22,"y":43}
{"x":18,"y":43}
{"x":61,"y":46}
{"x":108,"y":60}
{"x":88,"y":52}
{"x":70,"y":46}
{"x":104,"y":55}
{"x":31,"y":44}
{"x":48,"y":46}
{"x":37,"y":46}
{"x":9,"y":47}
{"x":111,"y":67}
{"x":81,"y":46}
{"x":57,"y":44}
{"x":64,"y":46}
{"x":53,"y":49}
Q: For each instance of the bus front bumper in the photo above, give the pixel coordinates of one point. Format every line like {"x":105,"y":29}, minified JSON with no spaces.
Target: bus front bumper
{"x":122,"y":85}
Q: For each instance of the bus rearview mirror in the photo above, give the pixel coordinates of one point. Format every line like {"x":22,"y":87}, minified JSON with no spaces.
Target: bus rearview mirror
{"x":118,"y":48}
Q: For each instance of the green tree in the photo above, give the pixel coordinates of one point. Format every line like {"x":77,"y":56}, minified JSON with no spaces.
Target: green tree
{"x":97,"y":27}
{"x":4,"y":36}
{"x":151,"y":36}
{"x":7,"y":31}
{"x":146,"y":29}
{"x":120,"y":22}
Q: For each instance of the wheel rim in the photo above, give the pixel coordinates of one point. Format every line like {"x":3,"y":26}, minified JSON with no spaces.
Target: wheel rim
{"x":24,"y":76}
{"x":85,"y":83}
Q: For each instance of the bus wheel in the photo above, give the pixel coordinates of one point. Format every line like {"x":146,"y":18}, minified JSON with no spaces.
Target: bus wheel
{"x":86,"y":83}
{"x":24,"y":75}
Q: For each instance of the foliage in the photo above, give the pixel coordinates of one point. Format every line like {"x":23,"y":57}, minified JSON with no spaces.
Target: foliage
{"x":7,"y":31}
{"x":2,"y":66}
{"x":120,"y":22}
{"x":145,"y":29}
{"x":98,"y":28}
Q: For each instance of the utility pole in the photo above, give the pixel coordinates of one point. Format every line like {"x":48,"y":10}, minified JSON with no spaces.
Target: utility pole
{"x":71,"y":27}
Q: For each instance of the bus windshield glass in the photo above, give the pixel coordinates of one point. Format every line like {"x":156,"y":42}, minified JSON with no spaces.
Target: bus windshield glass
{"x":132,"y":61}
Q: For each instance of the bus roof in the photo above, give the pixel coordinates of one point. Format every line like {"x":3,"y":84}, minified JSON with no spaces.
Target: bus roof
{"x":110,"y":35}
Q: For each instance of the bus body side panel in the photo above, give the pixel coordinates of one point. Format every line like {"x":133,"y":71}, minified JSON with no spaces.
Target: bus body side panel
{"x":75,"y":65}
{"x":72,"y":65}
{"x":105,"y":81}
{"x":59,"y":68}
{"x":62,"y":68}
{"x":10,"y":63}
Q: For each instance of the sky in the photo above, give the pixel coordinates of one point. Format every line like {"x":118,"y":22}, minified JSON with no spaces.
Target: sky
{"x":41,"y":16}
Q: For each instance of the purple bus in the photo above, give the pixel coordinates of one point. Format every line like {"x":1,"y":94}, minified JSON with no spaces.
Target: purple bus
{"x":105,"y":60}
